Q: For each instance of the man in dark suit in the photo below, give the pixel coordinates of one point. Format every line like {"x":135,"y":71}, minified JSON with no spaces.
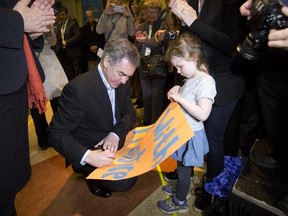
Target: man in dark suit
{"x":95,"y":110}
{"x":16,"y":20}
{"x":68,"y":48}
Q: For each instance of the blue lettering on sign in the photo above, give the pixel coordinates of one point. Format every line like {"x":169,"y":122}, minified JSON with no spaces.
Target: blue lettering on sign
{"x":162,"y":133}
{"x":115,"y":171}
{"x":125,"y":164}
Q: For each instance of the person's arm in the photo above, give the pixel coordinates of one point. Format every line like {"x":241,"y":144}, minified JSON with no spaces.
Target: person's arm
{"x":102,"y":24}
{"x":131,"y":26}
{"x":11,"y":29}
{"x":205,"y":98}
{"x":65,"y":122}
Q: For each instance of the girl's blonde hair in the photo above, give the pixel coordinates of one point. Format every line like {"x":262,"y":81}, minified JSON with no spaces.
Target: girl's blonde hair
{"x":189,"y":47}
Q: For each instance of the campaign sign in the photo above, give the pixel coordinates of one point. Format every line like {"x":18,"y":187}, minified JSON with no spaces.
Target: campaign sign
{"x":146,"y":147}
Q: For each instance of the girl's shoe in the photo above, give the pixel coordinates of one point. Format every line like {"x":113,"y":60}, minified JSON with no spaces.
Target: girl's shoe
{"x":172,"y":205}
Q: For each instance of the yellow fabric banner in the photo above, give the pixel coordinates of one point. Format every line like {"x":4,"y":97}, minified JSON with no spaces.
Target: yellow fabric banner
{"x":146,"y":147}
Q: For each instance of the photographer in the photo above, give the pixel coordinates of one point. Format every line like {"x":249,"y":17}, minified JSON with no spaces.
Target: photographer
{"x":116,"y":21}
{"x":272,"y":90}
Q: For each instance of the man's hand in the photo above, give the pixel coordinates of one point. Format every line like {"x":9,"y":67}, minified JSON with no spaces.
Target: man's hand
{"x":100,"y":158}
{"x":35,"y":20}
{"x":110,"y":142}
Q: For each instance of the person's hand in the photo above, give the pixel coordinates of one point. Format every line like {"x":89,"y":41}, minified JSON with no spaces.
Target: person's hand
{"x":109,"y":9}
{"x":127,"y":12}
{"x":99,"y":158}
{"x":184,"y":11}
{"x":279,"y":38}
{"x":160,"y":35}
{"x":45,"y":5}
{"x":175,"y":96}
{"x":94,"y":49}
{"x":110,"y":142}
{"x":35,"y":20}
{"x":141,"y":36}
{"x":245,"y":8}
{"x":172,"y":91}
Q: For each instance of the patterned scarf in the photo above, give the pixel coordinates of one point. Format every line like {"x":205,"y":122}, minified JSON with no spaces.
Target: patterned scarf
{"x":36,"y":93}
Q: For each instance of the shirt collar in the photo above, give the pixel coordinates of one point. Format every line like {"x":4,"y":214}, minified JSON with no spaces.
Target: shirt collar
{"x":108,"y":87}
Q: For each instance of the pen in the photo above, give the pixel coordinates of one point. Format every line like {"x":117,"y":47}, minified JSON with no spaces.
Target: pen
{"x":100,"y":147}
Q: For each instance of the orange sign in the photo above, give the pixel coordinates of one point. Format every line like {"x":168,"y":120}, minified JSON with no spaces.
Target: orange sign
{"x":146,"y":147}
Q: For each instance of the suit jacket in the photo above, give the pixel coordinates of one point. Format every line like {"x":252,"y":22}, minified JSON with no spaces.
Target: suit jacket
{"x":90,"y":37}
{"x":84,"y":116}
{"x":14,"y":149}
{"x":72,"y":36}
{"x":13,"y":72}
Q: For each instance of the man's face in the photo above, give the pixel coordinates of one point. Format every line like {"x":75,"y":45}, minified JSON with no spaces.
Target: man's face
{"x":63,"y":16}
{"x":118,"y":74}
{"x":89,"y":17}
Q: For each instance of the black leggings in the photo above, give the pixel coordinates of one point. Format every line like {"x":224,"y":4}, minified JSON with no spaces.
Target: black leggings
{"x":183,"y":184}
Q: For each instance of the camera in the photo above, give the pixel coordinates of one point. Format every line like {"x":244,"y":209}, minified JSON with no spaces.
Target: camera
{"x":265,"y":15}
{"x":118,"y":9}
{"x":171,"y":35}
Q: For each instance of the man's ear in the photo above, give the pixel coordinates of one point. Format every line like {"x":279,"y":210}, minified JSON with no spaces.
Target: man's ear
{"x":105,"y":61}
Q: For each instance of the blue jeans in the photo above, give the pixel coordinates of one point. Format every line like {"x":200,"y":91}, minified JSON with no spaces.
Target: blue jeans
{"x":215,"y":127}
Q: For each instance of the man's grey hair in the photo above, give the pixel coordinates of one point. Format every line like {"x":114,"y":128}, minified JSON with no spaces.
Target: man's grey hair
{"x":121,"y":48}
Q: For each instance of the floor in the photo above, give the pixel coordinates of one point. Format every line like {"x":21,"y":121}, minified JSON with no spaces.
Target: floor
{"x":148,"y":206}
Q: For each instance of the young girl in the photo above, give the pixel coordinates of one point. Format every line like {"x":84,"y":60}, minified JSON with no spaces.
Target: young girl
{"x":196,"y":97}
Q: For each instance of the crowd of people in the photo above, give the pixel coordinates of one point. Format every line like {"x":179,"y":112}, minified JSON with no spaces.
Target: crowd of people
{"x":103,"y":62}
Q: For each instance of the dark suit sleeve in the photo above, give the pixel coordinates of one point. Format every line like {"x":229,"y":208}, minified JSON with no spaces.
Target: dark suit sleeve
{"x":11,"y":29}
{"x":65,"y":121}
{"x":13,"y":72}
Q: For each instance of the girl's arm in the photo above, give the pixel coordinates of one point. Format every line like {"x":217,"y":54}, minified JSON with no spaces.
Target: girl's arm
{"x":199,"y":111}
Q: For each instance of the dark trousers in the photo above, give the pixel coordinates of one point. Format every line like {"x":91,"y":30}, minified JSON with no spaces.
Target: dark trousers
{"x":215,"y":127}
{"x":275,"y":117}
{"x":120,"y":185}
{"x":40,"y":123}
{"x":7,"y":207}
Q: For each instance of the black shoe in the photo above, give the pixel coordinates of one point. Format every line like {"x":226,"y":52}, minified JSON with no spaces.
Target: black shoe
{"x":264,"y":159}
{"x":43,"y":144}
{"x":171,"y":176}
{"x":216,"y":208}
{"x":202,"y":200}
{"x":97,"y":191}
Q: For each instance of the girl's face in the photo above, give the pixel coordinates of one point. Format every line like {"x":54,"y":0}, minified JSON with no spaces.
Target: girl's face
{"x":186,"y":68}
